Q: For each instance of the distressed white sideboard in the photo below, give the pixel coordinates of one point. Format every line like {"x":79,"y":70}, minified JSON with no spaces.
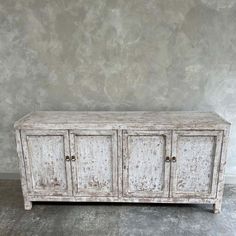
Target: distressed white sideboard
{"x":153,"y":157}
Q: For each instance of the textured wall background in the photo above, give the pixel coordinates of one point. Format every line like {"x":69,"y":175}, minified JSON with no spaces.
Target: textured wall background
{"x":115,"y":55}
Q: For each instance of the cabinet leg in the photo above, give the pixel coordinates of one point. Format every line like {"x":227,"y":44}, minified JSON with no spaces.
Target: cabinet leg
{"x":27,"y":205}
{"x":217,"y":207}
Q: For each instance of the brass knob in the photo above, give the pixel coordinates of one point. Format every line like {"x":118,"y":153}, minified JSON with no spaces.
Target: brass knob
{"x":173,"y":159}
{"x":73,"y":158}
{"x":67,"y":158}
{"x":167,"y":159}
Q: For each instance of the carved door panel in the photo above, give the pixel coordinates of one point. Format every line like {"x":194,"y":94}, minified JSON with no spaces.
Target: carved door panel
{"x":94,"y":162}
{"x":197,"y":155}
{"x":47,"y":171}
{"x":145,"y":171}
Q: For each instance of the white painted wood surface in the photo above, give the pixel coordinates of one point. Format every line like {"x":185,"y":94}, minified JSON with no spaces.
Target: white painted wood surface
{"x":197,"y":162}
{"x":172,"y":157}
{"x":47,"y":171}
{"x":95,"y":166}
{"x":146,"y":173}
{"x":120,"y":120}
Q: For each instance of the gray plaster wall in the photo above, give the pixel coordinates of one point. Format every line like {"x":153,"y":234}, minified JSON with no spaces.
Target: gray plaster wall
{"x":116,"y":55}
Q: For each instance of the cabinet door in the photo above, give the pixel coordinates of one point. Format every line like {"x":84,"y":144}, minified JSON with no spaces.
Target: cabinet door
{"x":94,"y":162}
{"x":145,"y":171}
{"x":195,"y":171}
{"x":48,"y":173}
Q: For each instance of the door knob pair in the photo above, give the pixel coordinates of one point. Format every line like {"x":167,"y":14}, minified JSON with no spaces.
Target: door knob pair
{"x":168,"y":159}
{"x":72,"y":158}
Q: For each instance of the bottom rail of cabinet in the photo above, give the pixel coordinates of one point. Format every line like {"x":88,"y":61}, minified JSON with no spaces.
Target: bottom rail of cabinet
{"x":29,"y":199}
{"x":120,"y":200}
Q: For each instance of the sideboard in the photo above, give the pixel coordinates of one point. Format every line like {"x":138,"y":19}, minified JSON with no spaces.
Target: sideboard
{"x":148,"y":157}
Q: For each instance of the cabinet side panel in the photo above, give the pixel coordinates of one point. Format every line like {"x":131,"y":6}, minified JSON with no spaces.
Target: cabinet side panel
{"x":21,"y":163}
{"x":221,"y":180}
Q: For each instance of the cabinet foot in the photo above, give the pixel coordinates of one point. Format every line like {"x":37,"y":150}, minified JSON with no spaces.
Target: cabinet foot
{"x":217,"y":207}
{"x":27,"y":205}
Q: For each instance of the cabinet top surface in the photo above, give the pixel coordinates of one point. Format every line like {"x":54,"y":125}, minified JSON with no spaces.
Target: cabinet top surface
{"x":71,"y":119}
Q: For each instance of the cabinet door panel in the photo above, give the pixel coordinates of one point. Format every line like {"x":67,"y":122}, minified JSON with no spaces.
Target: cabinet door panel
{"x":47,"y":171}
{"x":195,"y":171}
{"x":145,"y":172}
{"x":95,"y":168}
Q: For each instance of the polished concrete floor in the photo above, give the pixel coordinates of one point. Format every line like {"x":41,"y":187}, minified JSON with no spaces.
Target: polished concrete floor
{"x":112,"y":219}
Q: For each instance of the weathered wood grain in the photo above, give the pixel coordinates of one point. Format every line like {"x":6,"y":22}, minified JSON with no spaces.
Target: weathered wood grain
{"x":95,"y":168}
{"x":27,"y":202}
{"x":35,"y":198}
{"x":121,"y":157}
{"x":197,"y":162}
{"x":146,"y":173}
{"x":220,"y":186}
{"x":121,"y":120}
{"x":48,"y":173}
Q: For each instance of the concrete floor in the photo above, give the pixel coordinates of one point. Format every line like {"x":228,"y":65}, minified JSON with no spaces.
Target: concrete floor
{"x":112,"y":219}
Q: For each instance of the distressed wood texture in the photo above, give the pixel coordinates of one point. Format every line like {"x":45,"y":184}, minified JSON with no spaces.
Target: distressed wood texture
{"x":27,"y":202}
{"x":121,"y":120}
{"x":146,"y":173}
{"x":165,"y":157}
{"x":197,"y":162}
{"x":95,"y":166}
{"x":47,"y":171}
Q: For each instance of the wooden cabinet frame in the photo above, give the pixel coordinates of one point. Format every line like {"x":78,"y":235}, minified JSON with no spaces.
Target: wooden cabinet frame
{"x":113,"y":129}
